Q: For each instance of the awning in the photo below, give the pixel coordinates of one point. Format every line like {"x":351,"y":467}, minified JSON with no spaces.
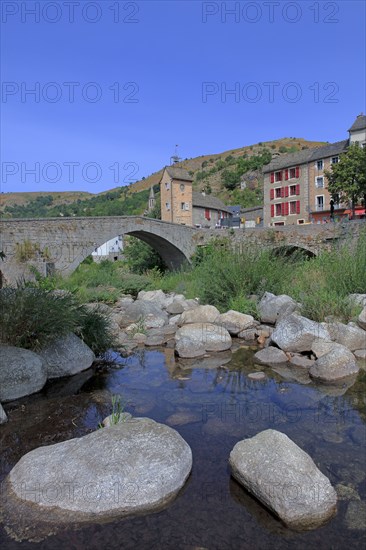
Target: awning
{"x":359,"y":212}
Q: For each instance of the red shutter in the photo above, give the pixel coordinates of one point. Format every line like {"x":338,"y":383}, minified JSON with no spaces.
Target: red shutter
{"x":272,"y":210}
{"x":286,"y":191}
{"x":286,"y":174}
{"x":297,"y":189}
{"x":207,"y":213}
{"x":297,"y":207}
{"x":282,"y":192}
{"x":286,"y":208}
{"x":271,"y":194}
{"x":272,"y":177}
{"x":297,"y":172}
{"x":281,"y":174}
{"x":282,"y":208}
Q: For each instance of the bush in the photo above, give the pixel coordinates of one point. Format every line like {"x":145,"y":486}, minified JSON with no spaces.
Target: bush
{"x":33,"y":317}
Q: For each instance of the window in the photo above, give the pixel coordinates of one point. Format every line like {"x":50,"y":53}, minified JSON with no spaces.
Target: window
{"x":278,"y":193}
{"x":278,"y":176}
{"x":300,"y":222}
{"x":335,"y":160}
{"x":292,"y":173}
{"x":319,"y":182}
{"x":319,"y":164}
{"x":167,"y":205}
{"x":292,"y":190}
{"x":293,"y":207}
{"x":181,"y":187}
{"x":278,"y":210}
{"x":319,"y":202}
{"x":184,"y":205}
{"x":167,"y":185}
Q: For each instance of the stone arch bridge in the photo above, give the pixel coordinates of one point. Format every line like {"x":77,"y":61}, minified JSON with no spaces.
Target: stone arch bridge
{"x":63,"y":243}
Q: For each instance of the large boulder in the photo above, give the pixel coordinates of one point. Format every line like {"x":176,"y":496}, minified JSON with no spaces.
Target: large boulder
{"x":235,"y":322}
{"x":200,"y":314}
{"x":158,"y":297}
{"x":145,"y":312}
{"x":361,"y":320}
{"x":66,"y":356}
{"x":336,"y":364}
{"x":135,"y":466}
{"x":358,"y":299}
{"x":270,"y":356}
{"x":194,"y":339}
{"x":272,"y":307}
{"x":22,"y":372}
{"x":3,"y":417}
{"x":351,"y":336}
{"x":284,"y":478}
{"x":296,"y":333}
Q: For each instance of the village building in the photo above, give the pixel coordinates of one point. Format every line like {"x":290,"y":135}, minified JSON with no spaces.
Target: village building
{"x":295,"y":187}
{"x":180,"y":204}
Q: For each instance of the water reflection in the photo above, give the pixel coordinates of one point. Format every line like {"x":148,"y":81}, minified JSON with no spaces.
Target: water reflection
{"x":213,"y":404}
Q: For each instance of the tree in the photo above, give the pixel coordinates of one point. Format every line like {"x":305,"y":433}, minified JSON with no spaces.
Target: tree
{"x":347,"y":178}
{"x":141,"y":257}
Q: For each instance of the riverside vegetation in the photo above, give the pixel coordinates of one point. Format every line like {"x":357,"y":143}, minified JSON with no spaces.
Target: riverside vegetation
{"x":33,"y":316}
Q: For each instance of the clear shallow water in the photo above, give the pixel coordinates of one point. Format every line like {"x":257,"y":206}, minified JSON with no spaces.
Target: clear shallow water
{"x":222,"y":406}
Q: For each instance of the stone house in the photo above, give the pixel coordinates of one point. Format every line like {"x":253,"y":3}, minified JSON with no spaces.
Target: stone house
{"x":180,"y":204}
{"x":295,"y":188}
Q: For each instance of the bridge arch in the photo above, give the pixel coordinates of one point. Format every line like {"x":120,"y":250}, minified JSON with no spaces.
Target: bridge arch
{"x":290,"y":249}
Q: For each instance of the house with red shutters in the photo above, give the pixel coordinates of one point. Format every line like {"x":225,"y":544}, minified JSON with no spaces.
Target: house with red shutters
{"x":295,"y":187}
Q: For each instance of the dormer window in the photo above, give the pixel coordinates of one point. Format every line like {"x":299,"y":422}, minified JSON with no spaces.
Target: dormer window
{"x":181,"y":187}
{"x":319,"y":164}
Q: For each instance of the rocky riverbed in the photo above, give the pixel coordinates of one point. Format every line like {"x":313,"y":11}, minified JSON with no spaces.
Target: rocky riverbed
{"x":217,"y":380}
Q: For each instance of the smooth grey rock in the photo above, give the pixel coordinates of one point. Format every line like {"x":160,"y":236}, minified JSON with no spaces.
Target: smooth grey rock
{"x":257,"y":375}
{"x":22,"y":372}
{"x":351,"y":336}
{"x":360,"y":354}
{"x":270,"y":356}
{"x":272,"y":307}
{"x":146,"y":312}
{"x":175,"y":308}
{"x":135,"y":466}
{"x":3,"y":417}
{"x":66,"y":356}
{"x":361,"y":319}
{"x":139,"y":338}
{"x":234,"y":321}
{"x":358,"y":299}
{"x":284,"y":478}
{"x":200,"y":314}
{"x":174,"y":320}
{"x":301,"y":361}
{"x":296,"y":333}
{"x":155,"y":340}
{"x":191,"y":303}
{"x":321,"y":347}
{"x":248,"y":334}
{"x":158,"y":297}
{"x":335,"y":365}
{"x":198,"y":336}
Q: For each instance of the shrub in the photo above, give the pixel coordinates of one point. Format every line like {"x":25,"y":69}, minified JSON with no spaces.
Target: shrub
{"x":95,"y":328}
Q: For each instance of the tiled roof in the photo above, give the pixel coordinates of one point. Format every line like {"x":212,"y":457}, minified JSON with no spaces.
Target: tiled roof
{"x":307,"y":155}
{"x":359,"y":123}
{"x":178,"y":173}
{"x":208,"y":201}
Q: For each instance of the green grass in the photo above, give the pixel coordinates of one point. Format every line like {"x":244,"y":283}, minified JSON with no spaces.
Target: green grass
{"x":226,"y":279}
{"x":33,"y":317}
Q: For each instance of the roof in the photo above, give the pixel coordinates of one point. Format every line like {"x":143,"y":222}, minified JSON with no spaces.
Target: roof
{"x":178,"y":173}
{"x":152,"y":194}
{"x":208,"y":201}
{"x":306,"y":155}
{"x":359,"y":123}
{"x":252,"y":209}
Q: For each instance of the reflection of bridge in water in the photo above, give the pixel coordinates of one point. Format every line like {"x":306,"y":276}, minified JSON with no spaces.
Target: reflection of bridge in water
{"x":63,"y":243}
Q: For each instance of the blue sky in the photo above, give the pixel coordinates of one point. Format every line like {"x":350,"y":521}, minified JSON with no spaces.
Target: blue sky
{"x":118,"y":84}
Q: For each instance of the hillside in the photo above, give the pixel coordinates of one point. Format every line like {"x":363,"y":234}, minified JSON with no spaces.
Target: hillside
{"x":220,"y":174}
